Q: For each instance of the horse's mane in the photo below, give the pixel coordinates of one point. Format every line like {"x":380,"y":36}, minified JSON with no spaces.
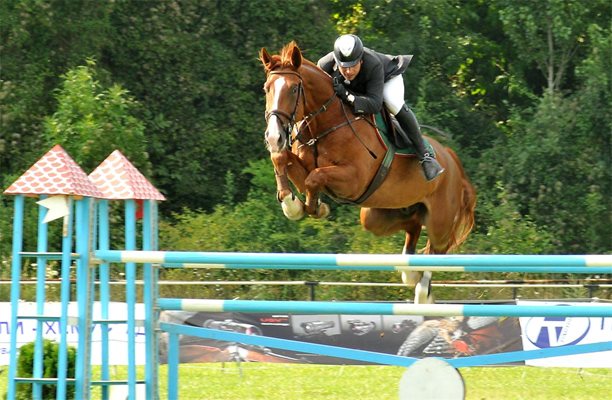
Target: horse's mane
{"x":285,"y":59}
{"x":286,"y":53}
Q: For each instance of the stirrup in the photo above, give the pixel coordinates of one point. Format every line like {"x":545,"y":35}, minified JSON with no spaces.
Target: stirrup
{"x":427,"y":157}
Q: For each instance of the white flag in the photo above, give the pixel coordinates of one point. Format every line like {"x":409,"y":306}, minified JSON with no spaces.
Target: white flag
{"x":57,"y":207}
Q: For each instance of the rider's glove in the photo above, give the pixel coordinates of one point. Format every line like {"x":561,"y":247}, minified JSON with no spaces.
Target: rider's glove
{"x":343,"y":92}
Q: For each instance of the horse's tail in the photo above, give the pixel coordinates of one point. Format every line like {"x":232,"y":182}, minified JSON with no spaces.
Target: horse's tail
{"x":465,"y":219}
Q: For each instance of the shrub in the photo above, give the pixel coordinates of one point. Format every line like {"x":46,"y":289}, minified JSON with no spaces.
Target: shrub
{"x":25,"y":368}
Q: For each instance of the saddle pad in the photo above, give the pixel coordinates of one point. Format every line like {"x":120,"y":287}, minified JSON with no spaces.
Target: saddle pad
{"x":386,"y":136}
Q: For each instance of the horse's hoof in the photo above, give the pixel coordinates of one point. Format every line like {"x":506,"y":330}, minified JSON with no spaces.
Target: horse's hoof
{"x":293,"y":208}
{"x":422,"y":295}
{"x":323,"y":210}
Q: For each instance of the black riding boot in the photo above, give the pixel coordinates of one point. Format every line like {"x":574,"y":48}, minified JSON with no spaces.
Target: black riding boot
{"x":408,"y":122}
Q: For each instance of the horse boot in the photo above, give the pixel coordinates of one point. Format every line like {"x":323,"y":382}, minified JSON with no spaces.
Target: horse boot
{"x":410,"y":126}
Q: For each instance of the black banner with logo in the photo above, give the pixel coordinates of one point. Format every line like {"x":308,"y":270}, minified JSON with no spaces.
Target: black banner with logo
{"x":410,"y":336}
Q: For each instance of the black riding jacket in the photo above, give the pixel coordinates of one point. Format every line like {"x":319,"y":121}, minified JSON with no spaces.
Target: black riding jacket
{"x":367,"y":87}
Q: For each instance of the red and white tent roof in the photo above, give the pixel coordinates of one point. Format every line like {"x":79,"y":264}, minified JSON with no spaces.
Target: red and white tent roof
{"x":118,"y":179}
{"x":56,"y":173}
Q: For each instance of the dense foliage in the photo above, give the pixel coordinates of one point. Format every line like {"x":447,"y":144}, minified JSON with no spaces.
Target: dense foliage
{"x":522,"y":87}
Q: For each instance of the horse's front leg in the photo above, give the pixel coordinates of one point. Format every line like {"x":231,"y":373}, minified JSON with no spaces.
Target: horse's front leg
{"x":286,"y":166}
{"x":340,"y":178}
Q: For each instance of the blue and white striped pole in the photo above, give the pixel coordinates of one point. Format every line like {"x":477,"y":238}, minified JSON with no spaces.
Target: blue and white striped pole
{"x":195,"y":257}
{"x":363,"y":308}
{"x":590,"y":264}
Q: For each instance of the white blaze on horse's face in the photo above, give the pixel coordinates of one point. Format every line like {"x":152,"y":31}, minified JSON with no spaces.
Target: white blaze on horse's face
{"x":275,"y":138}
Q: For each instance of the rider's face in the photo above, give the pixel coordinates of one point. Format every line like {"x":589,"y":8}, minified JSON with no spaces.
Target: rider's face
{"x":350,"y":73}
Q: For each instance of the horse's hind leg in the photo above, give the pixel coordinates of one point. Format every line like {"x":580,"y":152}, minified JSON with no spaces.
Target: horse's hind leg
{"x":413,"y":231}
{"x":441,"y":239}
{"x":419,"y":279}
{"x":422,"y":290}
{"x":388,"y":221}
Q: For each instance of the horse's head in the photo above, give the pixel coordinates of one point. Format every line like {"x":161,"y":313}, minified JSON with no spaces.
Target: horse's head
{"x":284,"y":94}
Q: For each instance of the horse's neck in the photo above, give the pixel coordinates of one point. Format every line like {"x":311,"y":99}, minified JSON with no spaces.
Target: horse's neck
{"x":318,"y":83}
{"x":319,"y":91}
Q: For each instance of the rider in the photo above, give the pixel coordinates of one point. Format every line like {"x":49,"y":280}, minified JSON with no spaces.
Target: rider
{"x":365,"y":79}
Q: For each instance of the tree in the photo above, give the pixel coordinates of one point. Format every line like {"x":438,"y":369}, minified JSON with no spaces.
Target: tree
{"x":550,"y":34}
{"x":40,"y":42}
{"x":90,"y":122}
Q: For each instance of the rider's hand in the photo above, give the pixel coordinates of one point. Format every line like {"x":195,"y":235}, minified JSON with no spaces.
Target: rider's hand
{"x":343,"y":92}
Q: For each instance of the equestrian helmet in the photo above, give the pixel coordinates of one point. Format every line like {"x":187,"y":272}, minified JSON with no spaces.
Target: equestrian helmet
{"x":348,"y":50}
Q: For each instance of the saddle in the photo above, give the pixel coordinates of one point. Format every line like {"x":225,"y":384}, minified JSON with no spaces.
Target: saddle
{"x":396,"y":143}
{"x":391,"y":134}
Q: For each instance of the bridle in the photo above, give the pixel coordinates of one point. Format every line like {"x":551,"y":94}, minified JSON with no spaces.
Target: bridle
{"x":291,"y":118}
{"x":283,"y":115}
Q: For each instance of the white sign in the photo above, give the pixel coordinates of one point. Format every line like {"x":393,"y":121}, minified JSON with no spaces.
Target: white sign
{"x":547,"y":332}
{"x":26,"y":330}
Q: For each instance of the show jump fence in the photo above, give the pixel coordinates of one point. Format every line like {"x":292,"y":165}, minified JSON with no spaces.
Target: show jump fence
{"x":82,"y":202}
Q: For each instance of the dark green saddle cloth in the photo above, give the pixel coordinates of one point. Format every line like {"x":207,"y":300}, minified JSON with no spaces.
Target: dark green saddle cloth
{"x":387,"y":133}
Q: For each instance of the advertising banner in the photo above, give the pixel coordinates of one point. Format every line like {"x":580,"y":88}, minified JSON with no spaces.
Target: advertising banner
{"x":411,"y":336}
{"x":547,"y":332}
{"x":26,"y":331}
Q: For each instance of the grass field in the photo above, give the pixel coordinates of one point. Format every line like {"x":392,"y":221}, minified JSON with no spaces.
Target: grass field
{"x":253,"y":381}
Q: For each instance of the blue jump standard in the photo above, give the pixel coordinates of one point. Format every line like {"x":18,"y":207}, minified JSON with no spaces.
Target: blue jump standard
{"x":359,"y":308}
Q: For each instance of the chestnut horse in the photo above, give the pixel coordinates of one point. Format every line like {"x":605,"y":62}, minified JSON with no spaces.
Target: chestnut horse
{"x":339,"y":153}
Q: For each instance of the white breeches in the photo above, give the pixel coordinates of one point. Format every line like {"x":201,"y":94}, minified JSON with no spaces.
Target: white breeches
{"x":393,"y":94}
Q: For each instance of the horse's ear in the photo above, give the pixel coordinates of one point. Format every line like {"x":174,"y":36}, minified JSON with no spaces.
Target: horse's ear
{"x":296,"y":56}
{"x":265,"y":58}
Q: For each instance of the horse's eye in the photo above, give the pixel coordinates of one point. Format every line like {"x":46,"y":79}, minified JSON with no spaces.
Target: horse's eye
{"x":294,"y":89}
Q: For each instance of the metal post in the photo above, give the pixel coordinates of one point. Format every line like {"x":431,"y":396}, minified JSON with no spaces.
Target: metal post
{"x":130,"y":276}
{"x":104,"y":288}
{"x":149,"y":242}
{"x":311,"y":288}
{"x":15,"y":279}
{"x":173,"y":362}
{"x":41,"y":270}
{"x":62,"y":366}
{"x":84,"y":298}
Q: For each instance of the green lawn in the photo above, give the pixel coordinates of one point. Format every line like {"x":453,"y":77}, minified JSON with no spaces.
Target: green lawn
{"x":314,"y":382}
